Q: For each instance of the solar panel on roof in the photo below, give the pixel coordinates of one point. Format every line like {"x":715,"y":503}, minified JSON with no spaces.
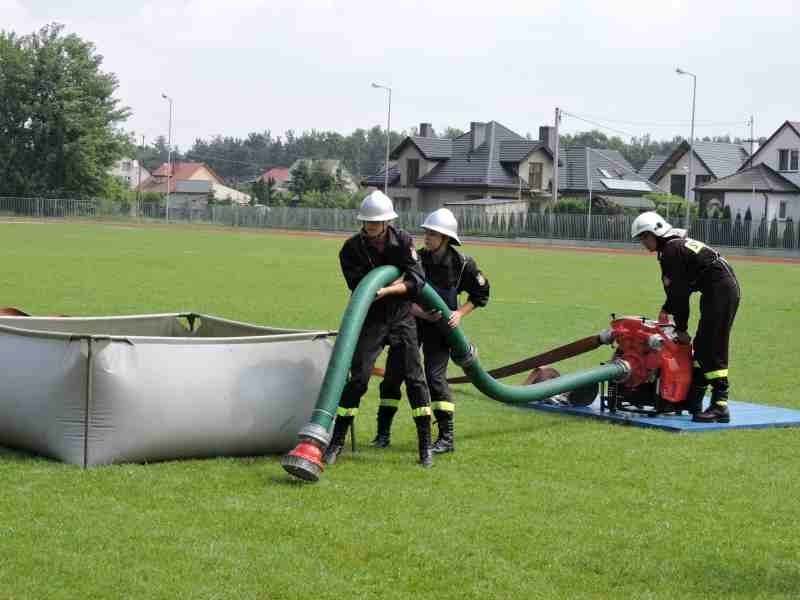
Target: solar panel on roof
{"x":626,"y":185}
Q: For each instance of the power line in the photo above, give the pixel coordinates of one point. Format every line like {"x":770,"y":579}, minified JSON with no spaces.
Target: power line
{"x":601,"y":125}
{"x":666,"y":123}
{"x":220,"y":159}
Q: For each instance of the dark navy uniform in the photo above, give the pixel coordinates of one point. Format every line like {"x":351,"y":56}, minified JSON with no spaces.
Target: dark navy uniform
{"x":450,"y":276}
{"x":688,"y":266}
{"x":388,"y":322}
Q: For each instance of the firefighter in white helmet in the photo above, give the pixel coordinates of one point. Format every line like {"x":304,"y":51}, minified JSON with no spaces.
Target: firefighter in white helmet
{"x":389,"y":320}
{"x":688,"y":266}
{"x":449,"y":273}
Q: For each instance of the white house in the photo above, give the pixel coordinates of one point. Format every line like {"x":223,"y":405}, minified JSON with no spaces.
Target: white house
{"x":710,"y":161}
{"x":131,"y":170}
{"x":768,"y":183}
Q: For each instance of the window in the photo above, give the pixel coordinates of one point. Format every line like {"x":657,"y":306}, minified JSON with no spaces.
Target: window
{"x":783,"y":160}
{"x":794,"y":155}
{"x":535,"y":175}
{"x":126,"y":165}
{"x":782,"y":210}
{"x":701,"y":179}
{"x":412,"y":171}
{"x":402,"y":204}
{"x":605,"y":173}
{"x":677,"y":185}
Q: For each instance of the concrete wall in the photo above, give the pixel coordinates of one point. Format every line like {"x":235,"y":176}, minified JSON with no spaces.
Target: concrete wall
{"x":682,"y":168}
{"x":436,"y":198}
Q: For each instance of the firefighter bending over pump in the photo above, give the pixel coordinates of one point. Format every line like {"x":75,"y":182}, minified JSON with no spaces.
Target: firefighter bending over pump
{"x":688,"y":266}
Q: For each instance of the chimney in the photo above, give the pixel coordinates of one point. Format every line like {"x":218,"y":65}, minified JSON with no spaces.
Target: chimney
{"x":477,"y":132}
{"x":426,"y":130}
{"x":547,"y":135}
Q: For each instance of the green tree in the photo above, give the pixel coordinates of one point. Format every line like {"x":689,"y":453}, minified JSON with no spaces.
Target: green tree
{"x":300,"y":180}
{"x":452,"y":133}
{"x":258,"y":192}
{"x":269,"y":191}
{"x":59,"y":118}
{"x":153,"y":156}
{"x":118,"y":192}
{"x":320,"y":179}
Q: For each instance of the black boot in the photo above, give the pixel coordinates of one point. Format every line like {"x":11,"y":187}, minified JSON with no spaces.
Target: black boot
{"x":423,"y":424}
{"x":717,"y":412}
{"x":694,"y":399}
{"x":384,"y":434}
{"x":444,"y":442}
{"x":336,"y":444}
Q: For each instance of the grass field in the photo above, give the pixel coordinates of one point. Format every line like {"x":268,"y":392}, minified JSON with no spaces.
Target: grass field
{"x":529,"y":506}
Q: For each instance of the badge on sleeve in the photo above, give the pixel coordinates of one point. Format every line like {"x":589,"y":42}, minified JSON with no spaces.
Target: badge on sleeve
{"x":480,"y":279}
{"x":666,"y":281}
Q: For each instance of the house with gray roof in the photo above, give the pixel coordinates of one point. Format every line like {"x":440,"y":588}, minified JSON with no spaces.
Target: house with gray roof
{"x":712,"y":161}
{"x":488,"y":162}
{"x":648,"y":168}
{"x":607,"y":173}
{"x":768,"y":183}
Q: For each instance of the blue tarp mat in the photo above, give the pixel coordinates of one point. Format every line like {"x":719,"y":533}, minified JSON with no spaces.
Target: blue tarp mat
{"x":744,"y":415}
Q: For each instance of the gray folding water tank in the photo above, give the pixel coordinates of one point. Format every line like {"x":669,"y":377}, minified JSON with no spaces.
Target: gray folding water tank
{"x":101,"y":390}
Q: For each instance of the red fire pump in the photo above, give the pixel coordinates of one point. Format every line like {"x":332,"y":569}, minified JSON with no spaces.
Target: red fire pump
{"x":660,"y":367}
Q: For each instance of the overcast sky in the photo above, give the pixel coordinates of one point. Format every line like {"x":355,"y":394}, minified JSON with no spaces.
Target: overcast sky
{"x":236,"y":66}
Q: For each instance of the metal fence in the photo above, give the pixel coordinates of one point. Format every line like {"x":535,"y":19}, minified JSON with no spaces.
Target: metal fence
{"x":779,"y":235}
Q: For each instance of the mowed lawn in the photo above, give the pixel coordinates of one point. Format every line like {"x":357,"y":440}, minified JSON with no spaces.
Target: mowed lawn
{"x":530,"y":505}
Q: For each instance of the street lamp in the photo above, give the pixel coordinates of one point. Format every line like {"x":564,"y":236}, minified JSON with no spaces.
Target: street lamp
{"x":680,"y":71}
{"x":169,"y":150}
{"x":388,"y":135}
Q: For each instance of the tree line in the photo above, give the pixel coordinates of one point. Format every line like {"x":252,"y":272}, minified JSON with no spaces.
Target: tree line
{"x":61,"y":130}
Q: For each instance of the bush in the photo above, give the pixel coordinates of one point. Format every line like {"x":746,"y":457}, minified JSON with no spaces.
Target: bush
{"x":570,"y":206}
{"x":773,"y":233}
{"x":788,"y":234}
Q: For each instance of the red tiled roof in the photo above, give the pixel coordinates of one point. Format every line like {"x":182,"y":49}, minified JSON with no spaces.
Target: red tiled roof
{"x":158,"y":184}
{"x":279,"y":174}
{"x":180,"y":170}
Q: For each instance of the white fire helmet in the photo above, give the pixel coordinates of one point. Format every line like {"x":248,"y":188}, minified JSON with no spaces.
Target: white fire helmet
{"x":649,"y":222}
{"x":377,"y":206}
{"x":443,"y":221}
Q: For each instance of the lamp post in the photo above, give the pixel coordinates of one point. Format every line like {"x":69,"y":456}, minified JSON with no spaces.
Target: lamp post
{"x":169,"y":150}
{"x":388,"y":135}
{"x":680,"y":71}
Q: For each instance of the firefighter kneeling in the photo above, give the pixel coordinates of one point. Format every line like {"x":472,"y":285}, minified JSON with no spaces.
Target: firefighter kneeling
{"x":688,"y":266}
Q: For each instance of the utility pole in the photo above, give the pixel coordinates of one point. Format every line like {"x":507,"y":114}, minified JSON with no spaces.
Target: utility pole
{"x":589,"y":186}
{"x":388,"y":135}
{"x":555,"y":157}
{"x":752,"y":139}
{"x":169,"y":151}
{"x":139,"y":184}
{"x":680,"y":71}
